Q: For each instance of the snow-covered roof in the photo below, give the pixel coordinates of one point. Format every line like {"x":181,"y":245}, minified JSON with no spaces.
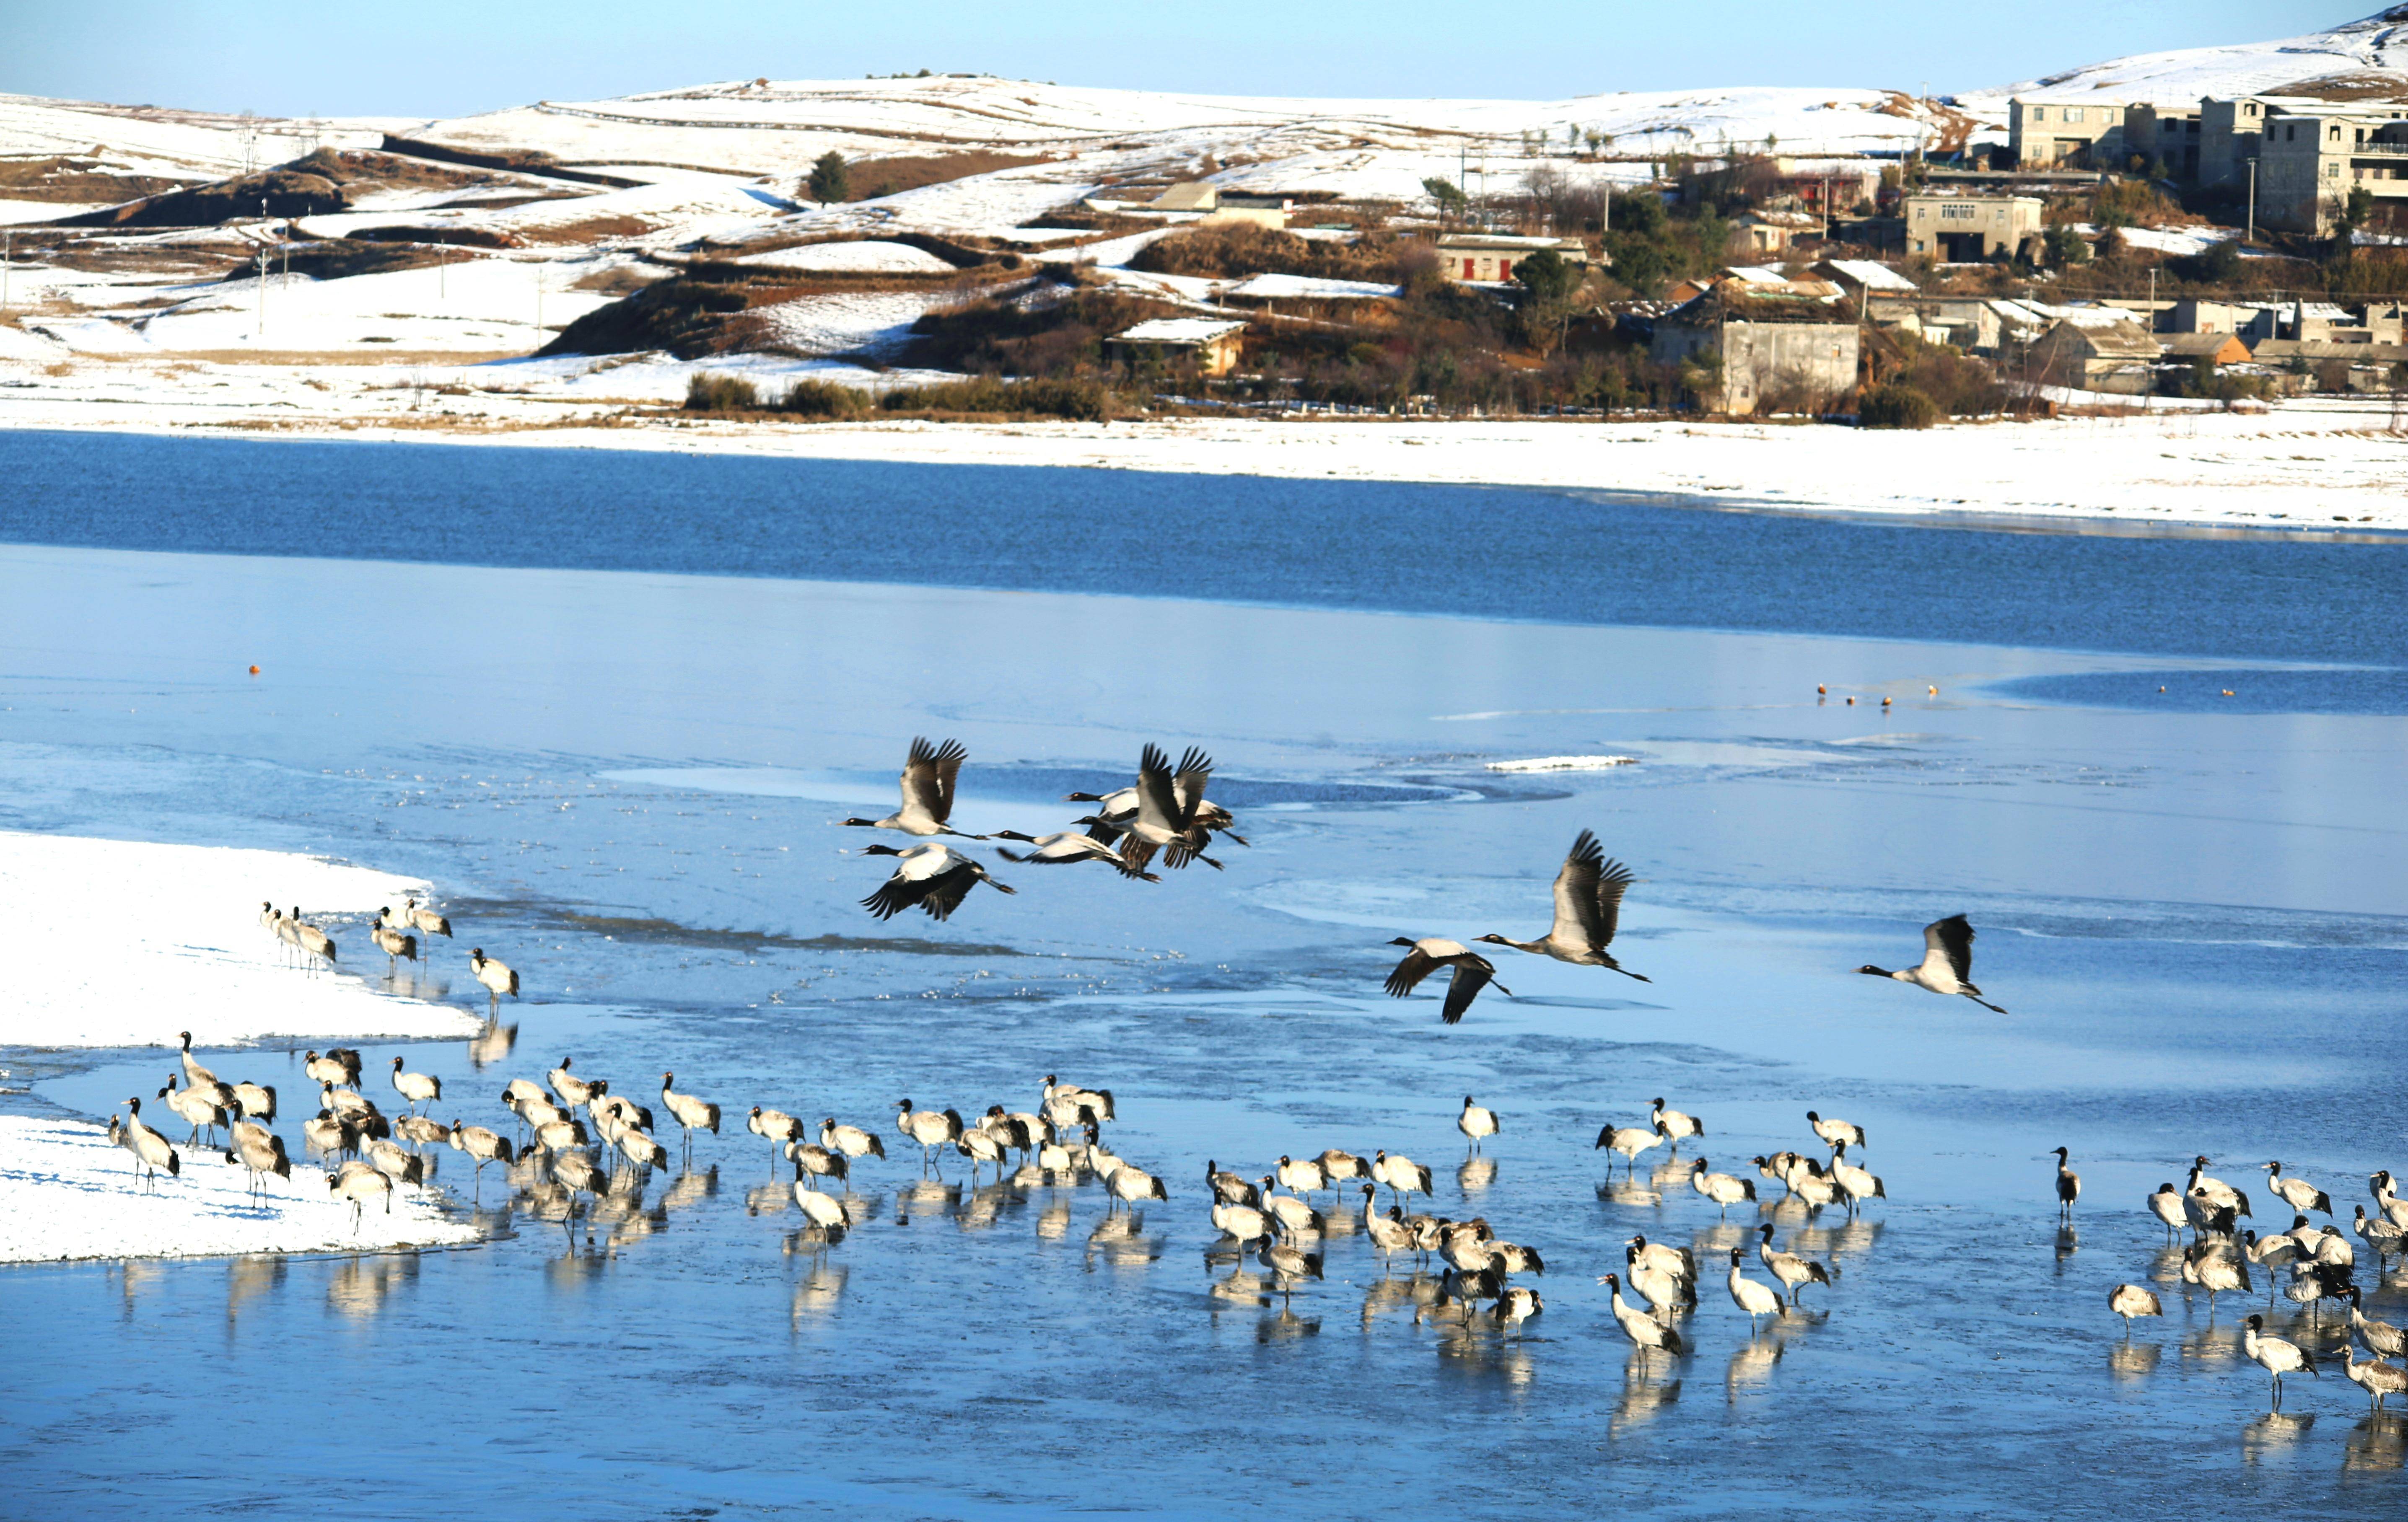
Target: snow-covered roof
{"x":1178,"y":330}
{"x":1871,"y":276}
{"x":1302,"y":287}
{"x":1756,"y":275}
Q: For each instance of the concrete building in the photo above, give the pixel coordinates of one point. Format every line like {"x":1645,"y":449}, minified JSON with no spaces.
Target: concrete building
{"x":1976,"y":324}
{"x":2250,"y":321}
{"x":1856,"y":276}
{"x":1212,"y":344}
{"x":2167,"y":133}
{"x":1967,"y":229}
{"x":2118,"y":357}
{"x":2044,"y":130}
{"x":1772,"y":232}
{"x":2313,"y":156}
{"x":1773,"y":351}
{"x":2214,"y":348}
{"x":1477,"y":258}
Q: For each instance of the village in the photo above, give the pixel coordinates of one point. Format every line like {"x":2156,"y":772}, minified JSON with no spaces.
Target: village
{"x":2135,"y":238}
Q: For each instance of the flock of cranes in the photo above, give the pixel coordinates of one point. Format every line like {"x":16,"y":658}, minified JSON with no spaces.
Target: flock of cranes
{"x":2305,"y":1265}
{"x":575,"y":1132}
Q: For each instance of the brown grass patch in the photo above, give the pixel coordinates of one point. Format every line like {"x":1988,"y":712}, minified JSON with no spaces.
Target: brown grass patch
{"x":875,"y":177}
{"x":591,"y":230}
{"x":73,"y":179}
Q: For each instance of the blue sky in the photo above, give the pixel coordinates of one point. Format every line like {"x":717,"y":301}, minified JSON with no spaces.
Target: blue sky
{"x":449,"y":57}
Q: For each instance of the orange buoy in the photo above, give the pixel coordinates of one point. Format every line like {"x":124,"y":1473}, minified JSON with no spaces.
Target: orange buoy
{"x":255,"y":671}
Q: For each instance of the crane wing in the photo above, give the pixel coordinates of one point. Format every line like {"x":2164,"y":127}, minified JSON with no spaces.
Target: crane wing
{"x":1187,"y":786}
{"x":1576,"y":918}
{"x":1953,"y":938}
{"x":1157,"y":792}
{"x":946,"y":890}
{"x":1417,"y":966}
{"x":1472,"y":974}
{"x":928,"y":777}
{"x":896,"y":894}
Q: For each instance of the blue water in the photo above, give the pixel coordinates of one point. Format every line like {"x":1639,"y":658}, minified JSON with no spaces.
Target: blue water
{"x":622,"y":772}
{"x":1478,"y":553}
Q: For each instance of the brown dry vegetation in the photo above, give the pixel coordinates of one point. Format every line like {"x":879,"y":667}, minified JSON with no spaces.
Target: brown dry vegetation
{"x":873,"y":177}
{"x":1241,"y":249}
{"x":73,"y":179}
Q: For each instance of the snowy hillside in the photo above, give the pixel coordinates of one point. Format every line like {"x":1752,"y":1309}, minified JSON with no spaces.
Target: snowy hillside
{"x":2377,"y":44}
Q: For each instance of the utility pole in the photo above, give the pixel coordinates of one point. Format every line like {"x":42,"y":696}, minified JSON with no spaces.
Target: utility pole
{"x":260,"y":331}
{"x":8,"y":253}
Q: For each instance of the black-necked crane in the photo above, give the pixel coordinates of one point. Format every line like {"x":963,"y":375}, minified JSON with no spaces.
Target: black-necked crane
{"x":1340,"y":1167}
{"x":2296,"y":1191}
{"x":395,"y":1162}
{"x":399,"y":946}
{"x":1114,"y":810}
{"x":981,"y":1146}
{"x":1244,"y":1221}
{"x":1722,"y":1189}
{"x":1067,"y":848}
{"x":1289,"y":1265}
{"x":2394,"y":1208}
{"x":691,"y":1114}
{"x":578,"y":1174}
{"x":1516,"y":1305}
{"x":2380,"y":1235}
{"x":1168,"y":800}
{"x":1388,"y":1233}
{"x":638,"y":1146}
{"x":852,"y":1141}
{"x":312,"y":941}
{"x":197,"y":1106}
{"x":933,"y":878}
{"x":2273,"y":1354}
{"x":482,"y":1145}
{"x":1856,"y":1184}
{"x":261,"y":1153}
{"x":327,"y":1132}
{"x":2207,"y":1217}
{"x":1789,"y":1268}
{"x":822,"y":1210}
{"x":2380,"y":1337}
{"x":1400,"y":1173}
{"x":573,"y":1090}
{"x":1472,"y":972}
{"x":2167,"y":1206}
{"x":1228,"y":1187}
{"x":1294,"y":1213}
{"x":1673,"y":1126}
{"x":288,"y":934}
{"x":1753,"y":1297}
{"x":2215,"y":1190}
{"x":1947,"y":965}
{"x":1301,"y":1175}
{"x":2217,"y":1269}
{"x":928,"y":775}
{"x":417,"y":917}
{"x":1837,"y":1132}
{"x":2069,"y":1183}
{"x":1656,"y":1272}
{"x":1477,"y":1122}
{"x":498,"y":980}
{"x":194,"y":1075}
{"x":359,"y":1183}
{"x":1131,"y":1184}
{"x":819,"y":1161}
{"x":776,"y":1127}
{"x":931,"y":1129}
{"x":339,"y":1066}
{"x":2378,"y":1379}
{"x":1588,"y":908}
{"x":258,"y":1101}
{"x":2130,"y":1300}
{"x":1082,"y":1106}
{"x":2332,"y":1248}
{"x":150,"y":1150}
{"x":1630,"y":1141}
{"x":416,"y":1087}
{"x":1645,"y":1332}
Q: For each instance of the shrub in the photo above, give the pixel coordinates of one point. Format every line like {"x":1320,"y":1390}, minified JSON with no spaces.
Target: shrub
{"x":1241,"y":249}
{"x":706,"y":393}
{"x":1086,"y":401}
{"x":830,"y":179}
{"x":808,"y":398}
{"x":1896,"y":405}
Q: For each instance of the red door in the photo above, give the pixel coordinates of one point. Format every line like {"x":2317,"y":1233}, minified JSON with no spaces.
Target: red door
{"x":1504,"y":269}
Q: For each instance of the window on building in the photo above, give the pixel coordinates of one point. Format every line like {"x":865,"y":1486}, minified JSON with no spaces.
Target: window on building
{"x":2074,"y":113}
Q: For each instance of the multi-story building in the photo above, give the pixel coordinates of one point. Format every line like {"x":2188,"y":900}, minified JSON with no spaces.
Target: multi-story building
{"x":2165,"y":134}
{"x":2313,"y":155}
{"x":1967,"y":229}
{"x":2081,"y":132}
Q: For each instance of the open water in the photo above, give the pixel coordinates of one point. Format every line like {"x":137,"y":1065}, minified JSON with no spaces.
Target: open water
{"x":609,"y":703}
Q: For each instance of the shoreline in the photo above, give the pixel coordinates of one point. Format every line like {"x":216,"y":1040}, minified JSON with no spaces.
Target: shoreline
{"x":2331,"y":472}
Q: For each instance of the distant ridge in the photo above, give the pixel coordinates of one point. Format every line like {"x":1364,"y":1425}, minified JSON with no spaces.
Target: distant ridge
{"x":2376,"y":46}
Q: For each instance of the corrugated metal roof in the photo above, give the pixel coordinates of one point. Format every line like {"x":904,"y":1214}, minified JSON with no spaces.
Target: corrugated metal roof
{"x":1866,"y":272}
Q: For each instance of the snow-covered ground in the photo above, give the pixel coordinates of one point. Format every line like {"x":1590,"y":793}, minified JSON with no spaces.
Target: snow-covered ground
{"x":2181,"y":76}
{"x":66,"y":1192}
{"x":866,"y":256}
{"x":113,"y":943}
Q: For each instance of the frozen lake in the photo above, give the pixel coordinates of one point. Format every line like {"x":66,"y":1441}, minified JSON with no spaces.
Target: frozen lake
{"x":613,"y":730}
